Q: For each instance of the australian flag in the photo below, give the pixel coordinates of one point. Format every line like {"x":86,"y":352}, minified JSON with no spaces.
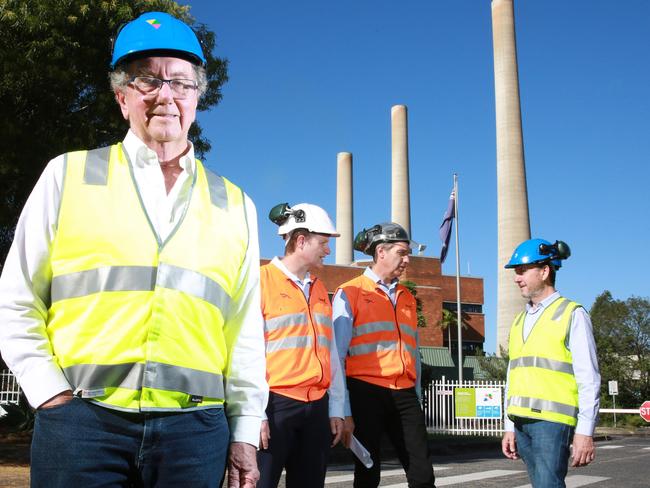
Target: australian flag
{"x":445,"y":227}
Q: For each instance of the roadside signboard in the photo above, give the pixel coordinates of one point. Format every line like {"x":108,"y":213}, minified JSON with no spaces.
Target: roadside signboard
{"x":613,"y":387}
{"x":644,"y":411}
{"x":478,"y":403}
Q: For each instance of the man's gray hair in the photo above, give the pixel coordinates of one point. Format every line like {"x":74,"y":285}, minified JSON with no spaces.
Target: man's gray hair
{"x":384,"y":245}
{"x":123,"y":72}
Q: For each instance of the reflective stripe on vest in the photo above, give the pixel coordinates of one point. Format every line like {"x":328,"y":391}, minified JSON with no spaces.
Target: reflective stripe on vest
{"x":541,"y":382}
{"x":139,"y":278}
{"x":133,"y":375}
{"x":298,"y":336}
{"x":136,"y":323}
{"x":383,"y":349}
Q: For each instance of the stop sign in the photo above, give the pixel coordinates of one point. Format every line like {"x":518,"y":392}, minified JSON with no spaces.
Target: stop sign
{"x":644,"y":411}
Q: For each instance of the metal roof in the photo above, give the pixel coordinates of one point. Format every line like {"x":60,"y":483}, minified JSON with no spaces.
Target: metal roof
{"x":436,"y":356}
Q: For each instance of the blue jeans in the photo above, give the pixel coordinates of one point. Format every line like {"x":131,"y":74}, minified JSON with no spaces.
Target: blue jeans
{"x":544,"y":447}
{"x":82,"y":444}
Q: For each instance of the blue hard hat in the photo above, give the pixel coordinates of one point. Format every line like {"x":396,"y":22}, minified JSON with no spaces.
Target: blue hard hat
{"x":539,"y":251}
{"x":157,"y":31}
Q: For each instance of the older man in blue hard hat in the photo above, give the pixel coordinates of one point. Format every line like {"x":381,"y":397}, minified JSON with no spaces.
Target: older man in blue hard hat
{"x":130,"y":307}
{"x":552,"y":394}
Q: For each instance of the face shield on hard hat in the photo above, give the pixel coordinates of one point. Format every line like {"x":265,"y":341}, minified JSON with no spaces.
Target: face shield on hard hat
{"x":302,"y":216}
{"x":539,"y":251}
{"x":157,"y":34}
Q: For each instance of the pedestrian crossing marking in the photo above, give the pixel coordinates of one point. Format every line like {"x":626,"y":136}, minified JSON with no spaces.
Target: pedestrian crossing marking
{"x":646,"y":448}
{"x":576,"y":481}
{"x":464,"y":478}
{"x":609,"y":447}
{"x":341,"y":478}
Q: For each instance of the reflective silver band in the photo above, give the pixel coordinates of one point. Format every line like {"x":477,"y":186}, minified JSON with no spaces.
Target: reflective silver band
{"x":544,"y":363}
{"x":96,"y":166}
{"x":374,"y":347}
{"x":293,"y":342}
{"x":175,"y":378}
{"x":324,"y":320}
{"x":139,"y":278}
{"x":544,"y":405}
{"x":217,"y":187}
{"x":287,"y":320}
{"x":116,"y":278}
{"x":135,"y":376}
{"x":412,"y":350}
{"x":193,"y":283}
{"x":560,"y":309}
{"x":371,"y":327}
{"x":324,"y":341}
{"x":407,"y":329}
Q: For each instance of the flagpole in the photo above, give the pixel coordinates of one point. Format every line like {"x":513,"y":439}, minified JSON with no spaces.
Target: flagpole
{"x":458,"y":310}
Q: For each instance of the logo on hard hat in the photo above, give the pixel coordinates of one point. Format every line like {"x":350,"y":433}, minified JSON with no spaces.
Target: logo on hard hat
{"x":154,"y":23}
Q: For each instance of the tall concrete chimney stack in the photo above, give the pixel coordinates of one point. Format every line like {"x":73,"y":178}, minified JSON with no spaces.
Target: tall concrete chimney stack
{"x":513,"y":220}
{"x":401,"y":197}
{"x":344,"y":212}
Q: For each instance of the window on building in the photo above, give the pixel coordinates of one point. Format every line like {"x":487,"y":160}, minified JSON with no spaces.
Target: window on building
{"x":464,"y":307}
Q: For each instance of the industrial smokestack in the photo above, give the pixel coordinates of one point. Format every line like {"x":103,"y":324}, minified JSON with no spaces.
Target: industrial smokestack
{"x":513,"y":220}
{"x":344,"y":212}
{"x":401,"y":199}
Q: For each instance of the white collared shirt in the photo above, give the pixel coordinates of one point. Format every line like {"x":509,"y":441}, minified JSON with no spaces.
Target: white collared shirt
{"x":164,"y":209}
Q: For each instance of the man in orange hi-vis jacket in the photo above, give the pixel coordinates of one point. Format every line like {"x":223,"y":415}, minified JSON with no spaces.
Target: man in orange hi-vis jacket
{"x":375,"y":324}
{"x":305,"y":408}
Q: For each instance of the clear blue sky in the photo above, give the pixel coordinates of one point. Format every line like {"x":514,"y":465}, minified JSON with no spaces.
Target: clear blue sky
{"x":309,"y":79}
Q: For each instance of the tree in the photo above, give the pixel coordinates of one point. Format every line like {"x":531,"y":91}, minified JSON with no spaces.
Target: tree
{"x":54,"y":88}
{"x":412,"y":287}
{"x":449,"y":322}
{"x":494,"y":367}
{"x":622,"y":334}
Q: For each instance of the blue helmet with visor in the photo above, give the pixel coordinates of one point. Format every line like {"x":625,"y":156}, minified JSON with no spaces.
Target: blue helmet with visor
{"x":157,"y":33}
{"x":539,"y":251}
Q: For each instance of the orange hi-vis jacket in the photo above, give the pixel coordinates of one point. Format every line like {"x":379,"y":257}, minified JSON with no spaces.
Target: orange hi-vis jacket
{"x":298,"y":336}
{"x":383,"y":348}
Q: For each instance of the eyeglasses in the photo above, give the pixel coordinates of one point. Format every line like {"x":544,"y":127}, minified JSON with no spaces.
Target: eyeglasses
{"x":181,"y":88}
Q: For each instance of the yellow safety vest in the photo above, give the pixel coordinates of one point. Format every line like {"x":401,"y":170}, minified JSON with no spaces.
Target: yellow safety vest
{"x":138,"y":324}
{"x":541,"y":382}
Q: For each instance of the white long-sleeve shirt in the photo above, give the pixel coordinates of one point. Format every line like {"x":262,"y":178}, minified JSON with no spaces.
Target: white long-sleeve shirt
{"x":26,"y":278}
{"x":585,"y":363}
{"x":336,"y":390}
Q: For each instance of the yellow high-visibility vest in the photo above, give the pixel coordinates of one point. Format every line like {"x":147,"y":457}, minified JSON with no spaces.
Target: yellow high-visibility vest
{"x":135,"y":323}
{"x":541,"y":382}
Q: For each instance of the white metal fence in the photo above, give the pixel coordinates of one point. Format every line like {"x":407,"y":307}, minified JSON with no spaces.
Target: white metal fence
{"x":440,"y":411}
{"x":9,"y":389}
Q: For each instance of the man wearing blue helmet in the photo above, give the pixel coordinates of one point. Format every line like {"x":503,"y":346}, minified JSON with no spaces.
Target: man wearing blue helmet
{"x":552,"y":393}
{"x":129,"y":301}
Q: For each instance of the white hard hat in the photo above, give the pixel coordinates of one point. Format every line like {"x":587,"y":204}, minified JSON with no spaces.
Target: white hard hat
{"x":306,"y":216}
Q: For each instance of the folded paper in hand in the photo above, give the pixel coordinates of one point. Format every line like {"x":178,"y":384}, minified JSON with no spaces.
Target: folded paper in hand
{"x":361,"y":452}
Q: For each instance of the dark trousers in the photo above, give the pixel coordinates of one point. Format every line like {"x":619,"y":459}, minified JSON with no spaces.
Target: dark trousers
{"x":300,"y":443}
{"x":80,"y":444}
{"x":397,"y":412}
